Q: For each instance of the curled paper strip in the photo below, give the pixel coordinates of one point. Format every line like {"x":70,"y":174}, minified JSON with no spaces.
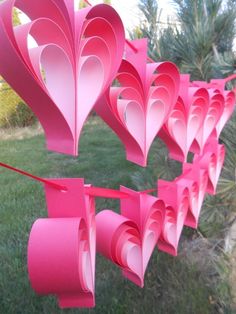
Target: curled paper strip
{"x":67,"y":246}
{"x":59,"y":261}
{"x":140,"y":105}
{"x":129,"y":239}
{"x":76,"y":58}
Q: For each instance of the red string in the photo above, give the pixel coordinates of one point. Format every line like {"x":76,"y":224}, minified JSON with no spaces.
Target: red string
{"x":54,"y":185}
{"x":131,"y":46}
{"x":150,"y":60}
{"x":91,"y":190}
{"x":230,"y":78}
{"x":106,"y":193}
{"x":88,"y":2}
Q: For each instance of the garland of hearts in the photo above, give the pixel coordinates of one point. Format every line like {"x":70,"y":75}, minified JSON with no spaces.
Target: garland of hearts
{"x":71,"y":71}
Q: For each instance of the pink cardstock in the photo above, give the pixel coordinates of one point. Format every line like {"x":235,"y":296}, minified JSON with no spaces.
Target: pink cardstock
{"x":129,"y":239}
{"x":76,"y":58}
{"x":140,"y":102}
{"x":61,"y":248}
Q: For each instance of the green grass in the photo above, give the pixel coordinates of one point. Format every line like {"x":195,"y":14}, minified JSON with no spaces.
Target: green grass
{"x":172,"y":284}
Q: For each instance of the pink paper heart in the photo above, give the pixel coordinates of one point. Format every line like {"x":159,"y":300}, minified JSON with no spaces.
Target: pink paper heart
{"x":184,"y":122}
{"x":172,"y":227}
{"x":140,"y":105}
{"x":130,"y":239}
{"x":214,"y":112}
{"x":76,"y":58}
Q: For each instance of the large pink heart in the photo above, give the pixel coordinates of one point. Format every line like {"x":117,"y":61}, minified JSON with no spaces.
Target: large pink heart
{"x":139,"y":103}
{"x":76,"y":57}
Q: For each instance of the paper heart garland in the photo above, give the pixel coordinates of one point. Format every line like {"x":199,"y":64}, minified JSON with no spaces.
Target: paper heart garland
{"x":130,"y":238}
{"x":61,"y":248}
{"x":77,"y":57}
{"x":176,"y":198}
{"x":140,"y":105}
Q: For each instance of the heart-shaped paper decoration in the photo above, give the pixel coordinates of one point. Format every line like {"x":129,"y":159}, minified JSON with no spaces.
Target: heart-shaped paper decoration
{"x":212,"y":117}
{"x":140,"y":105}
{"x":196,"y":179}
{"x":128,"y":240}
{"x":176,"y":198}
{"x":185,"y":120}
{"x":212,"y":161}
{"x":72,"y":214}
{"x":77,"y":56}
{"x":148,"y":213}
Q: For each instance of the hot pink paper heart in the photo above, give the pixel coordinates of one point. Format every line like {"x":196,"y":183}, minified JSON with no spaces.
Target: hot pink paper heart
{"x":214,"y":112}
{"x":148,"y":215}
{"x":76,"y":58}
{"x":129,"y":239}
{"x":172,"y":228}
{"x":212,"y":161}
{"x":63,"y":246}
{"x":185,"y":120}
{"x":196,"y":179}
{"x":176,"y":198}
{"x":140,"y":105}
{"x":218,"y":86}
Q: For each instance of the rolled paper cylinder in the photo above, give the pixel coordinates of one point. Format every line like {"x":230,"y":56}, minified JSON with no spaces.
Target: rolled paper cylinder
{"x":176,"y":198}
{"x":76,"y":57}
{"x":140,"y":105}
{"x":59,"y":261}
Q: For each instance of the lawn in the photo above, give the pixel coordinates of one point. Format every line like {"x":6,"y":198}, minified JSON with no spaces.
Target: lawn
{"x":172,"y":284}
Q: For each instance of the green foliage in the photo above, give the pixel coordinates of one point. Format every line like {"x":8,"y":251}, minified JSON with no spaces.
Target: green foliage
{"x":205,"y":30}
{"x":13,"y":112}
